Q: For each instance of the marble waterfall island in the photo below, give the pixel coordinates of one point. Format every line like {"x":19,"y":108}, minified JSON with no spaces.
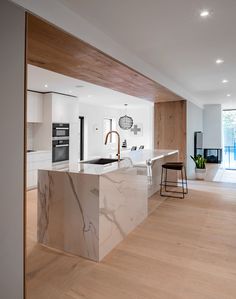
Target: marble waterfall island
{"x":149,"y":163}
{"x":88,"y":209}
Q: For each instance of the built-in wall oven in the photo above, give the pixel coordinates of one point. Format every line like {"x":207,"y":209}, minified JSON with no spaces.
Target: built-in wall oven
{"x":60,"y":130}
{"x":60,"y":142}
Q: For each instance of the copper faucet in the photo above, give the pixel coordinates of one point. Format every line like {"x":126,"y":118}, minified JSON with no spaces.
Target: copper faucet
{"x":118,"y":135}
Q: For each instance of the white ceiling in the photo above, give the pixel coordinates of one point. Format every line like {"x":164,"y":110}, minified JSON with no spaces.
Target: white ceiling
{"x":86,"y":92}
{"x":171,"y":36}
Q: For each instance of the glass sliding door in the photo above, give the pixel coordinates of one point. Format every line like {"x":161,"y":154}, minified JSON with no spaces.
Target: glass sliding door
{"x":229,"y":137}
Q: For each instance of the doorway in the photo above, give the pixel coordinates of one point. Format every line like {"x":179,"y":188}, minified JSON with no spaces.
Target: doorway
{"x":81,"y":132}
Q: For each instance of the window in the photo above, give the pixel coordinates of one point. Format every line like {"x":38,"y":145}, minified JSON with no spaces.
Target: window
{"x":107,"y":127}
{"x":229,"y":133}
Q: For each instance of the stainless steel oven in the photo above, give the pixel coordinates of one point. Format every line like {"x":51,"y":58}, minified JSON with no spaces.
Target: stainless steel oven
{"x":60,"y":130}
{"x":60,"y":150}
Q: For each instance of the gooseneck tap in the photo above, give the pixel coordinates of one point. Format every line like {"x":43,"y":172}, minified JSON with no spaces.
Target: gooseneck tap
{"x":118,"y":135}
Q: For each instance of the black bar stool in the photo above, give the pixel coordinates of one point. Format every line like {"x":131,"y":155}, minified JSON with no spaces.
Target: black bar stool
{"x":177,"y":166}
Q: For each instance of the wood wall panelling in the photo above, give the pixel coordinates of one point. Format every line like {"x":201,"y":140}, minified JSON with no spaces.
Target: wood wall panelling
{"x":52,"y":48}
{"x":170,"y":126}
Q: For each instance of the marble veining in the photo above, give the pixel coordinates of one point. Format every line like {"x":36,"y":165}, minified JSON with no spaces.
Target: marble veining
{"x":87,"y":210}
{"x":44,"y":191}
{"x":88,"y":215}
{"x":87,"y":226}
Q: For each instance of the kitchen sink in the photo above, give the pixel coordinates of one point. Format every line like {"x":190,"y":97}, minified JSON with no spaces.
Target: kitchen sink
{"x":101,"y":161}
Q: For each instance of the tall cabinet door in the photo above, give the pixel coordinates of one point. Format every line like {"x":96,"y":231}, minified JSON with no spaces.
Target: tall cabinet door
{"x":34,"y":107}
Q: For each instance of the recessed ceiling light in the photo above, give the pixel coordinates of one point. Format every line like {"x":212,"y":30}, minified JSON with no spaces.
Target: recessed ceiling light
{"x":204,"y":13}
{"x":225,"y":81}
{"x":219,"y":61}
{"x":45,"y":85}
{"x":228,"y":95}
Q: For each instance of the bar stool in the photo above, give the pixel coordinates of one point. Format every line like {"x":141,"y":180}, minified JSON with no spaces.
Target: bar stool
{"x":177,"y":166}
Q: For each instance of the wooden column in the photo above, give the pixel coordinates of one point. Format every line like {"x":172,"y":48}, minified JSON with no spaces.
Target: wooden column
{"x":170,"y":126}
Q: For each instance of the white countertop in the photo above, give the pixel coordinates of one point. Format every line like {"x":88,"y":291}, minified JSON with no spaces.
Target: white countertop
{"x":38,"y":152}
{"x":130,"y":159}
{"x":92,"y":168}
{"x":140,"y":157}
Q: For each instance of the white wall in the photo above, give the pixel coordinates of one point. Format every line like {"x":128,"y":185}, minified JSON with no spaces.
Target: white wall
{"x":93,"y":127}
{"x":94,"y":135}
{"x":194,"y":123}
{"x":143,"y":116}
{"x":12,"y":36}
{"x":212,"y":124}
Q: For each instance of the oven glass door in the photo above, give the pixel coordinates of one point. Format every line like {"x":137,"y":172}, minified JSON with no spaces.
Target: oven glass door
{"x":60,"y":153}
{"x":60,"y":132}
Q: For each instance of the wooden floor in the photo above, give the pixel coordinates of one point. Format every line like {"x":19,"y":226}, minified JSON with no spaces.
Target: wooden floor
{"x":186,"y":249}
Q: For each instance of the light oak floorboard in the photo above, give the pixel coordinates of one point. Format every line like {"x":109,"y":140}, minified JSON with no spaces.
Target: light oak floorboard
{"x":185,"y":249}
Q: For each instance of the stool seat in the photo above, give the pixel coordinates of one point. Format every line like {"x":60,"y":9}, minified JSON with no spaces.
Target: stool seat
{"x":174,"y":166}
{"x":174,"y":163}
{"x":178,"y":166}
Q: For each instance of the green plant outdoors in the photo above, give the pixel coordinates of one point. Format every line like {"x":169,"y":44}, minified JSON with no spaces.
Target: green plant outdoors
{"x":199,"y":161}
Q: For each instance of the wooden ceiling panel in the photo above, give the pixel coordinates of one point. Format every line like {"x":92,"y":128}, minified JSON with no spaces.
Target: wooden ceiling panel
{"x":51,"y":48}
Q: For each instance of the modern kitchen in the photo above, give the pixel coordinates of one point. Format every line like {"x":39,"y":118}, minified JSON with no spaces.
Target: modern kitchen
{"x":118,"y":150}
{"x":91,"y":164}
{"x":100,"y":158}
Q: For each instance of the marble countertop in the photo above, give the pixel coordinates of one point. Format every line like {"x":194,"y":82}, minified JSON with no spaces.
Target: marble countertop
{"x":140,"y":157}
{"x":92,"y":168}
{"x":129,"y":160}
{"x":38,"y":152}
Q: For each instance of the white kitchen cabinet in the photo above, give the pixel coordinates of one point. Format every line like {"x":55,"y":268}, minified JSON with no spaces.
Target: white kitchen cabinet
{"x":37,"y":160}
{"x":64,"y":109}
{"x":34,"y":107}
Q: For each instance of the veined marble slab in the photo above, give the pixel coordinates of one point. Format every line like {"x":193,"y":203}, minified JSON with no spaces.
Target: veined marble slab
{"x":88,"y":215}
{"x":87,"y":209}
{"x":122,"y":206}
{"x":153,"y":172}
{"x":141,"y":157}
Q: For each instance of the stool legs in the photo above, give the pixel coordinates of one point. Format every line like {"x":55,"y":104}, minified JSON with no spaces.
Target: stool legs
{"x":182,"y":179}
{"x":183,"y":183}
{"x":161,"y":181}
{"x":186,"y":180}
{"x":165,"y":180}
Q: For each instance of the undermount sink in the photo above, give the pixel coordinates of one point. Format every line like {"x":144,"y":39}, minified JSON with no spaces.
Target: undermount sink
{"x":101,"y":161}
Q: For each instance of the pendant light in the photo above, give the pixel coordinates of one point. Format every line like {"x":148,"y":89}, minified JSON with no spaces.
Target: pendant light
{"x":126,"y":122}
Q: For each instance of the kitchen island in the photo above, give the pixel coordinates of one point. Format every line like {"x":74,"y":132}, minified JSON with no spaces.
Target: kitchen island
{"x":149,"y":163}
{"x":87,"y":209}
